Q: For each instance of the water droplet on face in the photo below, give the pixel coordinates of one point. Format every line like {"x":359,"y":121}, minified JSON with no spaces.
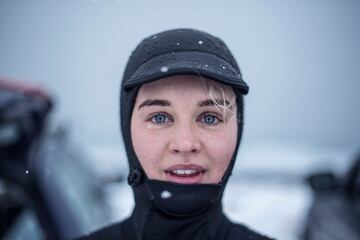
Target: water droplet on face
{"x":165,"y":194}
{"x":164,"y":69}
{"x":200,"y":42}
{"x":223,"y":67}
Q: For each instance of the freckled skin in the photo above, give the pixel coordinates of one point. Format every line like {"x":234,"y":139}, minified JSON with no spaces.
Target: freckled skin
{"x":185,"y":139}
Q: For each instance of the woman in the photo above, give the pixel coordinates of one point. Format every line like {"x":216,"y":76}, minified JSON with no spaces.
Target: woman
{"x":181,"y":120}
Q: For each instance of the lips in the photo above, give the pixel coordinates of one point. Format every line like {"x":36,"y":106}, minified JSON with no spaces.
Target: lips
{"x":185,"y":174}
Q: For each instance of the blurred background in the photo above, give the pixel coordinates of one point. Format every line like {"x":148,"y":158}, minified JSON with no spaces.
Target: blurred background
{"x":301,"y":60}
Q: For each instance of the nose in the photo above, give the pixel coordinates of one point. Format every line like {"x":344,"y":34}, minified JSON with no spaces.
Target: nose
{"x":184,"y":139}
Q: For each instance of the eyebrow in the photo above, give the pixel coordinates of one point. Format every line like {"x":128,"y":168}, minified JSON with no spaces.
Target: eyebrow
{"x":154,"y":102}
{"x":210,"y":102}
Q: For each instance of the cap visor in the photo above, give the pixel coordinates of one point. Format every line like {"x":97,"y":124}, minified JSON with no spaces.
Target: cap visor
{"x":188,"y":63}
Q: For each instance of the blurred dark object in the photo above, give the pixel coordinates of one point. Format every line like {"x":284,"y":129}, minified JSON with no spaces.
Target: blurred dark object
{"x":23,"y":112}
{"x":324,"y":181}
{"x":335,"y":212}
{"x":47,"y":191}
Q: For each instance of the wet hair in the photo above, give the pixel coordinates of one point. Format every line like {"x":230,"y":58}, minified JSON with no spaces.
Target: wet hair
{"x":227,"y":102}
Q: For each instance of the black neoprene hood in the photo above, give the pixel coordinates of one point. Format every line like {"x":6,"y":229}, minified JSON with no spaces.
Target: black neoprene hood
{"x":169,"y":53}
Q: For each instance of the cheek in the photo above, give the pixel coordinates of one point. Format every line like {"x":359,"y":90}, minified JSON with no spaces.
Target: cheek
{"x":221,"y":148}
{"x":146,"y":148}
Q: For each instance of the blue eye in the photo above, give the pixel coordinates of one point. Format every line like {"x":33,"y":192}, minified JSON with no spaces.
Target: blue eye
{"x":159,"y":118}
{"x":210,"y":119}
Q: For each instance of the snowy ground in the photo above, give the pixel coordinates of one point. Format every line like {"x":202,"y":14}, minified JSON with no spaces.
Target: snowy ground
{"x":273,"y":208}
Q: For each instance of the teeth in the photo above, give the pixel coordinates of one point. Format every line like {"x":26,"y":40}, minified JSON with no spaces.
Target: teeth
{"x":183,"y":171}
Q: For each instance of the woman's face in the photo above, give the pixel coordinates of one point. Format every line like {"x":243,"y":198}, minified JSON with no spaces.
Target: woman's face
{"x":179,"y":135}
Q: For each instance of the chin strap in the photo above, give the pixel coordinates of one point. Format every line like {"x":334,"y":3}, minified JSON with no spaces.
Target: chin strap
{"x":183,"y":200}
